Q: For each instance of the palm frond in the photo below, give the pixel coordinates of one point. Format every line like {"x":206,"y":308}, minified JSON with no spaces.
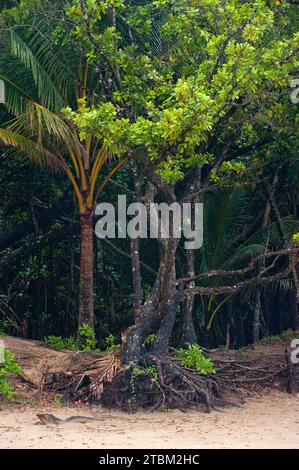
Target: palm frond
{"x":19,"y":84}
{"x":272,"y":234}
{"x":38,"y":120}
{"x":245,"y":254}
{"x":34,"y":151}
{"x":224,"y":213}
{"x":47,"y":91}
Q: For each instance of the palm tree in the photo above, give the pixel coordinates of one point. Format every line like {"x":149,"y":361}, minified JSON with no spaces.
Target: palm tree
{"x":39,"y":82}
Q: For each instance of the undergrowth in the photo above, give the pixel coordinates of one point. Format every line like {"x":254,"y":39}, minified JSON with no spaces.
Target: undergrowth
{"x":8,"y":367}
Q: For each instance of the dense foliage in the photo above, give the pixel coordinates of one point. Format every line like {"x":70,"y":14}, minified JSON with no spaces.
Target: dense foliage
{"x":175,"y":101}
{"x":8,"y":368}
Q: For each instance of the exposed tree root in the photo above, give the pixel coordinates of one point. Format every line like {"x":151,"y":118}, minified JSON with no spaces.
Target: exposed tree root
{"x":165,"y":384}
{"x":172,"y":386}
{"x":157,"y":384}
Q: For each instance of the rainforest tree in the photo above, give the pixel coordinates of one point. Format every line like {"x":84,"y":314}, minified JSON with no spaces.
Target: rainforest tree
{"x":195,"y":94}
{"x":192,"y":99}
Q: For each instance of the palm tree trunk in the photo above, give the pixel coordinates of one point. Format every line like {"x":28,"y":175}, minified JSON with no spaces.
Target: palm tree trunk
{"x":86,"y":314}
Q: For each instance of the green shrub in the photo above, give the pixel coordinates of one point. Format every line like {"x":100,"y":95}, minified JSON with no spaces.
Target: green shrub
{"x":8,"y":326}
{"x":296,"y":238}
{"x":270,"y":339}
{"x":8,"y":367}
{"x":70,"y":343}
{"x":88,"y":340}
{"x":193,"y":358}
{"x":109,"y":343}
{"x":289,"y":335}
{"x":87,"y":337}
{"x":57,"y":342}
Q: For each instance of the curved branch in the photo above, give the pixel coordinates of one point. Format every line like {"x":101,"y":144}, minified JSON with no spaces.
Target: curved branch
{"x":237,"y":272}
{"x":257,"y":280}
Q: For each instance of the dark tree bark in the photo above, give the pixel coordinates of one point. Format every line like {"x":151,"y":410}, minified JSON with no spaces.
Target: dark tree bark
{"x":161,"y":344}
{"x":134,"y":249}
{"x":240,"y":320}
{"x":146,"y":323}
{"x":86,"y":314}
{"x":189,"y":335}
{"x":155,"y":307}
{"x":71,"y":303}
{"x":136,"y":276}
{"x":227,"y":336}
{"x":256,"y":317}
{"x":205,"y":338}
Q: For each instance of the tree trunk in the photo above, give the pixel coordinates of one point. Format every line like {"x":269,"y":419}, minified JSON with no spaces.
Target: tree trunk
{"x":161,"y":344}
{"x":240,"y":329}
{"x":155,"y":308}
{"x":145,"y":324}
{"x":256,"y":317}
{"x":227,"y":337}
{"x":205,"y":338}
{"x":136,"y":276}
{"x":134,"y":248}
{"x":86,"y":314}
{"x":71,"y":302}
{"x":189,"y":334}
{"x":263,"y":325}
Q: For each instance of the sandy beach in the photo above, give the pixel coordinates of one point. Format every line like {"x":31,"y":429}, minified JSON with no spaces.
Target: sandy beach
{"x":268,"y":422}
